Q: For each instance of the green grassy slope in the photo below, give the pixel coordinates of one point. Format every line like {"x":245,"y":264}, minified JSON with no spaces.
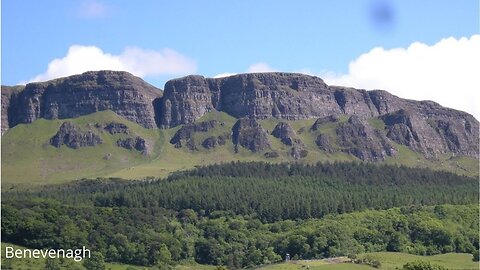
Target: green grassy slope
{"x":27,"y":157}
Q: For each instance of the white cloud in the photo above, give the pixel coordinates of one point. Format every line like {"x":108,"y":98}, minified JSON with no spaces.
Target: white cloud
{"x":254,"y":68}
{"x":446,"y":72}
{"x":137,"y":61}
{"x":260,"y":67}
{"x":222,"y":75}
{"x":92,"y":9}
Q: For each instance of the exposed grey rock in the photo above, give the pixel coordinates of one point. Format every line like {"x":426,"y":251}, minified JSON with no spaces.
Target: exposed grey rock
{"x":271,"y":154}
{"x":435,"y":133}
{"x":286,"y":134}
{"x":184,"y":136}
{"x":361,"y":140}
{"x":323,"y":120}
{"x":116,"y":128}
{"x":248,"y":133}
{"x":298,"y":152}
{"x":137,"y":143}
{"x":9,"y":99}
{"x":323,"y":142}
{"x":212,"y":142}
{"x":74,"y":96}
{"x":73,"y":137}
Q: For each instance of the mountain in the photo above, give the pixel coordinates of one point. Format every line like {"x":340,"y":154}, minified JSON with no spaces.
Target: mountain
{"x":119,"y":123}
{"x":70,"y":97}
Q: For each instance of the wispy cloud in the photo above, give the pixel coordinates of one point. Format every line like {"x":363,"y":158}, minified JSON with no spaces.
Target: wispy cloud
{"x":91,"y":9}
{"x":138,"y":61}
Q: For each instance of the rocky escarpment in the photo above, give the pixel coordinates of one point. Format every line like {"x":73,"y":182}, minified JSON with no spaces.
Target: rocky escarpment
{"x":358,"y":138}
{"x":72,"y":136}
{"x":262,"y":95}
{"x":9,"y":96}
{"x":423,"y":126}
{"x":435,"y":135}
{"x":248,"y":133}
{"x":70,"y":97}
{"x":296,"y":96}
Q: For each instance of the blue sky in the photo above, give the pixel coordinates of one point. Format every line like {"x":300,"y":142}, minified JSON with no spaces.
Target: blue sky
{"x":160,"y":40}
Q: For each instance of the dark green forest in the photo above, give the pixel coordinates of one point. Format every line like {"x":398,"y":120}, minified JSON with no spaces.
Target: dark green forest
{"x":246,"y":214}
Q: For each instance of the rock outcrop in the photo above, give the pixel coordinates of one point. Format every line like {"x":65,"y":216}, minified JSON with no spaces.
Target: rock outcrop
{"x":248,"y":133}
{"x":72,"y":136}
{"x":324,"y":143}
{"x":137,"y":143}
{"x":286,"y":134}
{"x":298,"y":152}
{"x":322,"y":121}
{"x":435,"y":135}
{"x":116,"y":128}
{"x":70,"y":97}
{"x":184,"y":136}
{"x":212,"y":141}
{"x":358,"y":138}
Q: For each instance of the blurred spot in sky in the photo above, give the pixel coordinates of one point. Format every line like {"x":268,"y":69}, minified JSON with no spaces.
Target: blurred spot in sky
{"x":381,"y":14}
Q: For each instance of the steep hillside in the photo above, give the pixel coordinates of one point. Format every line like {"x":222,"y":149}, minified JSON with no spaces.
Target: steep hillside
{"x":31,"y":155}
{"x":104,"y":144}
{"x":423,"y":126}
{"x":110,"y":123}
{"x":74,"y":96}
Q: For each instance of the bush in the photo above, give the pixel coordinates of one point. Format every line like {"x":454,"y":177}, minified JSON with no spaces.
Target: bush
{"x":476,"y":255}
{"x":419,"y":265}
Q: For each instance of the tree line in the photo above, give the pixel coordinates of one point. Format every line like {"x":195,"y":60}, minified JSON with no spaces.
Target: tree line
{"x":273,"y":192}
{"x":247,"y":214}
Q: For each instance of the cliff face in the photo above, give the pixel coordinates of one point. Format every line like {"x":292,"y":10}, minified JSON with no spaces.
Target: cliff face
{"x":9,"y":96}
{"x":70,"y":97}
{"x":423,"y":126}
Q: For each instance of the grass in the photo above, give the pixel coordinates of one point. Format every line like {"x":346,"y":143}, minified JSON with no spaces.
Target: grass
{"x":28,"y":159}
{"x":389,"y":261}
{"x":376,"y":123}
